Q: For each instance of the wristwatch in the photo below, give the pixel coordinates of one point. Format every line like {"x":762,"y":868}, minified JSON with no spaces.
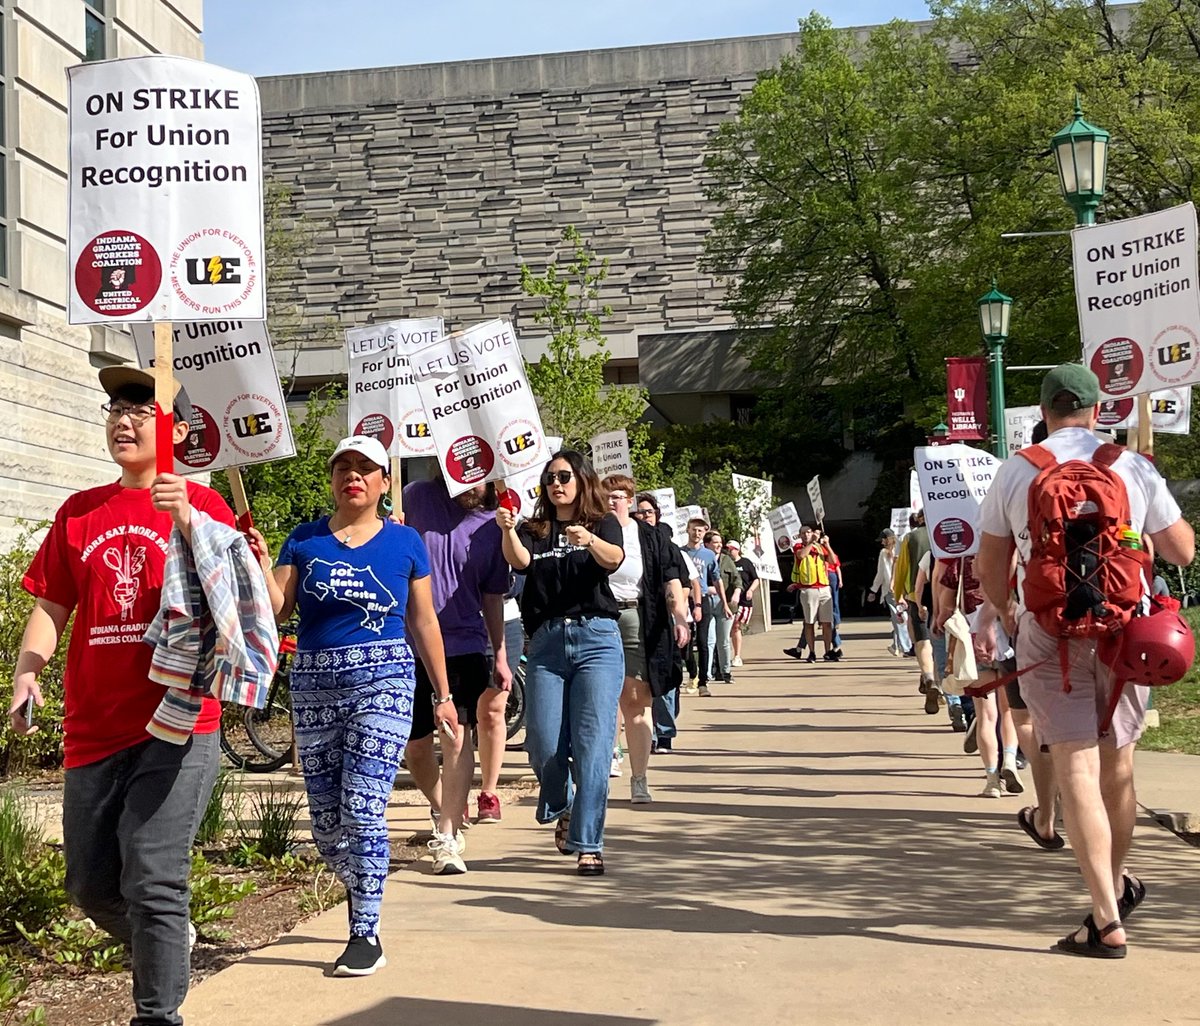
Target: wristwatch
{"x":440,"y":701}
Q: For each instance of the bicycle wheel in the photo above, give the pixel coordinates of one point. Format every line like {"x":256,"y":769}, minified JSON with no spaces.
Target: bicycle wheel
{"x":514,"y":712}
{"x":235,"y":739}
{"x":269,"y":729}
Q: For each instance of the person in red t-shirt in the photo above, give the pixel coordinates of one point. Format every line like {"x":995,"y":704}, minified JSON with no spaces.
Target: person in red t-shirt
{"x":131,"y":803}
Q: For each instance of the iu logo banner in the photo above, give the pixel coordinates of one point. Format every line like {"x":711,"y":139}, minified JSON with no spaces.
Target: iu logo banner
{"x":966,"y":398}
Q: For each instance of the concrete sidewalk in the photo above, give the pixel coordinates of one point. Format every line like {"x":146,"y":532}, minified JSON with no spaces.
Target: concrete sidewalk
{"x":814,"y":854}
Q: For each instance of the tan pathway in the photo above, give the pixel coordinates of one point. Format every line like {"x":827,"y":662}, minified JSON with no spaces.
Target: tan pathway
{"x":814,"y":855}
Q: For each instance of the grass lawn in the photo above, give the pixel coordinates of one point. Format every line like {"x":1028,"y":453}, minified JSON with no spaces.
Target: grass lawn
{"x":1179,"y":709}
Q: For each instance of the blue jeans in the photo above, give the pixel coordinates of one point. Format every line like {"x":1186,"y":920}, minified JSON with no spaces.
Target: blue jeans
{"x":666,"y":712}
{"x":712,"y":613}
{"x":128,"y":825}
{"x":573,"y":680}
{"x":899,"y":630}
{"x":834,"y":589}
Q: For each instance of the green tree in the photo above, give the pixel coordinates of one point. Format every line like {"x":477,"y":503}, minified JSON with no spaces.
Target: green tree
{"x":568,"y":379}
{"x":863,"y":189}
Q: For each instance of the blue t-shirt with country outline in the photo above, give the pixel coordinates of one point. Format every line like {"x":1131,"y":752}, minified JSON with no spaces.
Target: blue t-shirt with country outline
{"x":352,"y":596}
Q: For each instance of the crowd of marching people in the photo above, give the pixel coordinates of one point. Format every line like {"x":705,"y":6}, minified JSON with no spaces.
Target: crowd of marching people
{"x":407,"y":634}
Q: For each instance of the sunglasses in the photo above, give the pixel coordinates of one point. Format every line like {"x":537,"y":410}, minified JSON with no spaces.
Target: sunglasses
{"x":561,"y":476}
{"x":138,"y":413}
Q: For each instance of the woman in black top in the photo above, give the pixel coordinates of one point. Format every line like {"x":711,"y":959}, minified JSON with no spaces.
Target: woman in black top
{"x":575,"y":664}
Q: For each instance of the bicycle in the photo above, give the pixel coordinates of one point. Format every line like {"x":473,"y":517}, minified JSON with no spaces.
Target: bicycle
{"x":260,"y":740}
{"x":514,"y":711}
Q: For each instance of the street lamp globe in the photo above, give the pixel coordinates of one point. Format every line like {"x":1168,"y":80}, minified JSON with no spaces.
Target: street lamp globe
{"x":1081,"y":152}
{"x":994,"y":307}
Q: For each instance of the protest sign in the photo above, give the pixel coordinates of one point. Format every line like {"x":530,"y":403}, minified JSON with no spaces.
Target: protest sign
{"x":1139,"y":305}
{"x":481,"y":411}
{"x":682,"y":515}
{"x":610,"y":454}
{"x":785,"y":526}
{"x":899,"y":522}
{"x":526,"y":485}
{"x":1170,"y":412}
{"x":914,"y":492}
{"x":383,"y":400}
{"x":165,"y":213}
{"x":239,"y":415}
{"x":954,"y":479}
{"x":754,"y":502}
{"x":814,"y":497}
{"x":665,"y":497}
{"x":1019,"y":422}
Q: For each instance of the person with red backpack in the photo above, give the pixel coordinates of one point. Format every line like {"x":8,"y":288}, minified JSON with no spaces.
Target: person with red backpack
{"x":1074,"y":510}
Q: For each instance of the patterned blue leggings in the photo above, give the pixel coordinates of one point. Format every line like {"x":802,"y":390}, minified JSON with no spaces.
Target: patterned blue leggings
{"x":352,"y":723}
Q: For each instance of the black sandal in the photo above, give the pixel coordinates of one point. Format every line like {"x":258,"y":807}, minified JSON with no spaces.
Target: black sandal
{"x":560,"y":834}
{"x":591,"y":863}
{"x":1133,"y":895}
{"x":1026,"y":817}
{"x":1094,"y":946}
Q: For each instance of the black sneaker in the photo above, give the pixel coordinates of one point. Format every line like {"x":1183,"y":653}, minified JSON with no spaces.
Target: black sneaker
{"x":795,"y":653}
{"x":957,"y":720}
{"x":363,"y":955}
{"x":812,"y":657}
{"x":831,"y":657}
{"x":971,"y":739}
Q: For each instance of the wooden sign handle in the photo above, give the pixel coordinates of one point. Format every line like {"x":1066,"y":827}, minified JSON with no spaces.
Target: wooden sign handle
{"x":241,"y":505}
{"x":397,"y":488}
{"x":164,"y":397}
{"x":1145,"y":431}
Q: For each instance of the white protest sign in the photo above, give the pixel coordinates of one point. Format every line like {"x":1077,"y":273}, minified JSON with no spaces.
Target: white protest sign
{"x":914,"y":492}
{"x":227,"y":368}
{"x":383,"y":400}
{"x":481,"y":411}
{"x":814,"y":496}
{"x":899,"y":524}
{"x":785,"y":526}
{"x":685,"y":513}
{"x":526,"y":485}
{"x":1139,"y":305}
{"x":665,"y":497}
{"x":610,"y":454}
{"x":754,"y":502}
{"x":1170,"y":412}
{"x":165,"y":216}
{"x":954,"y":479}
{"x":1019,"y":422}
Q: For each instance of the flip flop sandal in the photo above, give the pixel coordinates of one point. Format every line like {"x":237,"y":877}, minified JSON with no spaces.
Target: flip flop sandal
{"x":1133,"y":895}
{"x":1094,"y":946}
{"x":590,"y":864}
{"x":1026,"y":818}
{"x":560,"y":834}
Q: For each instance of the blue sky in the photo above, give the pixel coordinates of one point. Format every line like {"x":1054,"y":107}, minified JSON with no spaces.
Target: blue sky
{"x":278,"y":37}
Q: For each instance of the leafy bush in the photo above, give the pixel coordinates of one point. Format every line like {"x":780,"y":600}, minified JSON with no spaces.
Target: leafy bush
{"x":32,"y":874}
{"x":213,"y":896}
{"x":44,"y":748}
{"x":12,"y":986}
{"x":218,"y":817}
{"x":274,"y":810}
{"x":77,"y":943}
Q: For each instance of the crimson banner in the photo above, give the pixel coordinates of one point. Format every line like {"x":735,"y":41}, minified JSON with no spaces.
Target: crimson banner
{"x":967,"y":398}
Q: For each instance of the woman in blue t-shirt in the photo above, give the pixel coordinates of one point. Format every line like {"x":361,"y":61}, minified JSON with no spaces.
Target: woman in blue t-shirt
{"x":357,"y":580}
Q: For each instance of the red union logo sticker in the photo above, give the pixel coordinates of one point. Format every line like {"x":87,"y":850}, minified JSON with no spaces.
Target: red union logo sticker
{"x":1115,"y":411}
{"x":1118,"y":363}
{"x":953,"y":535}
{"x":118,"y":273}
{"x":377,"y":426}
{"x":469,"y":460}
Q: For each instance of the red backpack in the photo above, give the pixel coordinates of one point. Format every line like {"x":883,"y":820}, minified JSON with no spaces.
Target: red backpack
{"x":1085,"y":574}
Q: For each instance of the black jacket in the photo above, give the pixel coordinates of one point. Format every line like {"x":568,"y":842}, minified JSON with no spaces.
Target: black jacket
{"x":661,"y":562}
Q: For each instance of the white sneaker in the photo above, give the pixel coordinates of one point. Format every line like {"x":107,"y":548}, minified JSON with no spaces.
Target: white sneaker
{"x":991,"y":789}
{"x":191,"y":936}
{"x":614,"y":770}
{"x":447,"y":855}
{"x":892,"y":650}
{"x":737,"y":660}
{"x":460,"y":837}
{"x":639,"y":793}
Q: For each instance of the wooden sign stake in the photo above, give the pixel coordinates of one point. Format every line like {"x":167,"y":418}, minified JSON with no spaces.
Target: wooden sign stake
{"x":241,"y":505}
{"x":397,"y":488}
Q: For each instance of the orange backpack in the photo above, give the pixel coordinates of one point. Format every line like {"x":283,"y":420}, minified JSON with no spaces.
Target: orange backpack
{"x":1085,"y":573}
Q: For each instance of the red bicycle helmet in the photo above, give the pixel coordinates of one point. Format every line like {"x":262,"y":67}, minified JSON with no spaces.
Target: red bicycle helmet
{"x":1156,"y":649}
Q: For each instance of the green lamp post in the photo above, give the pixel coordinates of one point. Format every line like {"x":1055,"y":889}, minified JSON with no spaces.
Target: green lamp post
{"x":1081,"y":152}
{"x":994,"y":309}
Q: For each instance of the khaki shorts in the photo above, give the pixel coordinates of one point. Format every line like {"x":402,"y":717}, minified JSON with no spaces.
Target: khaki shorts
{"x":817,"y":605}
{"x":1058,"y":715}
{"x":630,"y":623}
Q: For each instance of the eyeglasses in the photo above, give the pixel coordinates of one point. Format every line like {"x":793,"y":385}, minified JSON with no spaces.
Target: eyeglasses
{"x":642,"y":514}
{"x":561,"y":476}
{"x":618,"y":497}
{"x":138,"y":413}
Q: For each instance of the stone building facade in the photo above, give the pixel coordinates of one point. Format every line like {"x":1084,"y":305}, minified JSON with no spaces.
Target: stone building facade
{"x":427,"y":187}
{"x":51,"y":428}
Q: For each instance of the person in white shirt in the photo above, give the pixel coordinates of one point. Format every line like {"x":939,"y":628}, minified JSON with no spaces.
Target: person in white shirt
{"x":1094,"y":774}
{"x":882,"y":587}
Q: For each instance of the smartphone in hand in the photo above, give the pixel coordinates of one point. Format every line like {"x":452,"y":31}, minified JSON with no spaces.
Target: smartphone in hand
{"x":27,"y":711}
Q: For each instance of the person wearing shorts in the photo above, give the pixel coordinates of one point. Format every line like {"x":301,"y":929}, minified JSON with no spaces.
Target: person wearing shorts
{"x":810,"y":581}
{"x":1094,"y":772}
{"x":470,"y":579}
{"x":745,"y":608}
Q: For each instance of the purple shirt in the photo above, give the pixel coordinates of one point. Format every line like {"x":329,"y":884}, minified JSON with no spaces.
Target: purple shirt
{"x":465,"y":562}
